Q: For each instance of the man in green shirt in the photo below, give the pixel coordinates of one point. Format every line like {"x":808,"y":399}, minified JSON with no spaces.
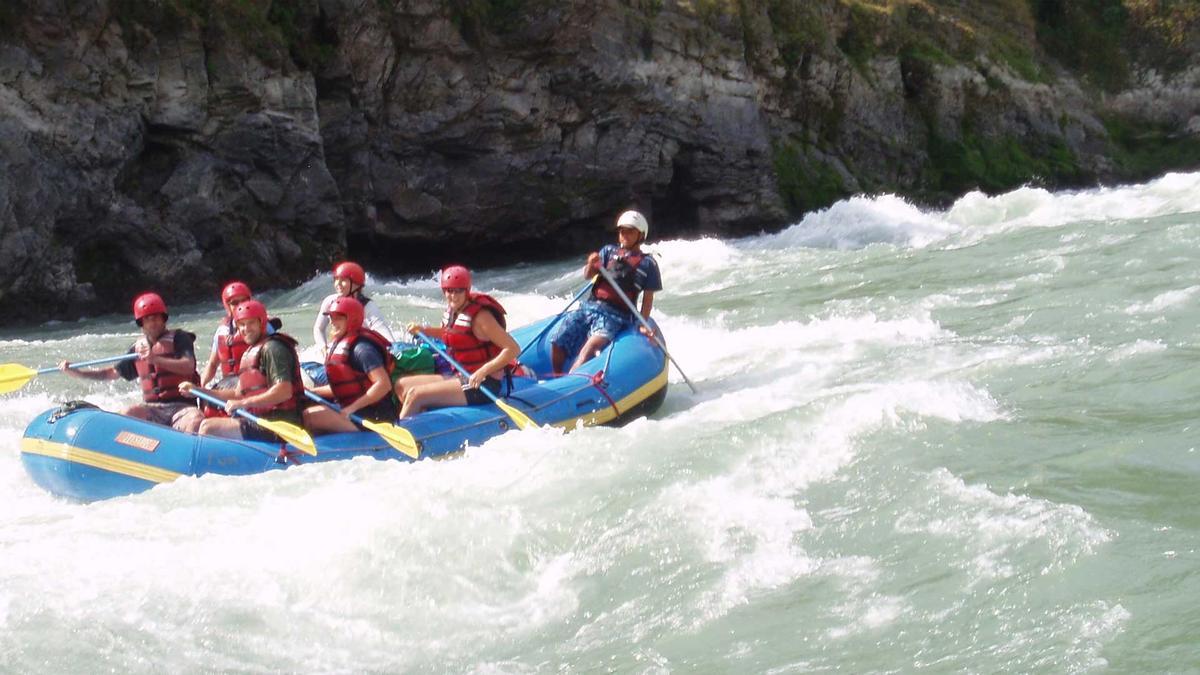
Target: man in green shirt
{"x":269,"y":383}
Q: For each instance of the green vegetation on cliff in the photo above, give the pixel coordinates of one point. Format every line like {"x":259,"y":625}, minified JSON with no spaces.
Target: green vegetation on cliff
{"x":806,"y":181}
{"x":994,"y":164}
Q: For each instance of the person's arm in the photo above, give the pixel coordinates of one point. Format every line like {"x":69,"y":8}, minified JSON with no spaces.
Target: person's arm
{"x":375,"y":321}
{"x":109,"y":373}
{"x":186,"y":388}
{"x":320,"y":326}
{"x":592,"y":267}
{"x":278,"y":364}
{"x":210,"y":368}
{"x":124,"y":369}
{"x":653,"y":284}
{"x":272,"y":395}
{"x":647,"y":303}
{"x":432,"y":331}
{"x":183,"y":361}
{"x":381,"y":385}
{"x":487,"y":328}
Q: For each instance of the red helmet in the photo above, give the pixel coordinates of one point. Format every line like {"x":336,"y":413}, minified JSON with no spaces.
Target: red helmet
{"x":251,"y":309}
{"x":147,"y":304}
{"x":234,"y":289}
{"x":456,"y":276}
{"x":352,"y":271}
{"x":351,"y":308}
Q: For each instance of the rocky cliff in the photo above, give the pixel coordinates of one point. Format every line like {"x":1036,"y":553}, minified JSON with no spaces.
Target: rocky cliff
{"x":175,"y":144}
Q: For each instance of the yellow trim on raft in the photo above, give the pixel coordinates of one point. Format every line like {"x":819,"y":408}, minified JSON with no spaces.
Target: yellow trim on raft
{"x":125,"y":467}
{"x":100,"y":460}
{"x":607,"y":414}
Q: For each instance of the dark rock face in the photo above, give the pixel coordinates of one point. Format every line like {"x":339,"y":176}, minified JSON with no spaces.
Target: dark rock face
{"x":144,"y":146}
{"x":172,"y":161}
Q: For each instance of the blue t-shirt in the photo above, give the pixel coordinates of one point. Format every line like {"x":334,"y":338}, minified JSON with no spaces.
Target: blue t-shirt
{"x":647,"y":276}
{"x":366,"y":356}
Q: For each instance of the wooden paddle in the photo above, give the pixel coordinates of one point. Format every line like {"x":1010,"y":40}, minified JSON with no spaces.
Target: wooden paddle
{"x":642,"y":319}
{"x":396,"y":436}
{"x":288,"y":432}
{"x":519,"y":418}
{"x":13,"y":376}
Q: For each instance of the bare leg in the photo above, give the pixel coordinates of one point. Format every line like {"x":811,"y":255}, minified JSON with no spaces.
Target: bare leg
{"x":138,"y":411}
{"x":448,"y":392}
{"x":409,"y":381}
{"x":590,"y":348}
{"x":558,"y":357}
{"x":224,"y":427}
{"x":188,"y":420}
{"x":321,"y":420}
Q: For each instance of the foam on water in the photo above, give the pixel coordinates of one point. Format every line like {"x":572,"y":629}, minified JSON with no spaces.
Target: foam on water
{"x":859,"y":221}
{"x":922,"y":439}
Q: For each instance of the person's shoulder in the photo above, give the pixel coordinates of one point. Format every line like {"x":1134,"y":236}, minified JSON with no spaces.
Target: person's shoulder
{"x":183,"y":337}
{"x":327,"y":302}
{"x":648,"y":263}
{"x":365,"y":345}
{"x":366,"y":354}
{"x":279,"y":348}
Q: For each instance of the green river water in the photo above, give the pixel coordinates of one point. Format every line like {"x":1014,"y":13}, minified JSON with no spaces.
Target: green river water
{"x":941,"y":441}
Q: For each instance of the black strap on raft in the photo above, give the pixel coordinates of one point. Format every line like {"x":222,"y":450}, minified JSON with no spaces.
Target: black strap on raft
{"x":68,"y":408}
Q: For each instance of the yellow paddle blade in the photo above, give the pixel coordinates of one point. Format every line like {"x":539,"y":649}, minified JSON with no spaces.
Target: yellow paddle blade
{"x":519,"y":418}
{"x":396,"y":436}
{"x":292,"y":434}
{"x":13,"y":376}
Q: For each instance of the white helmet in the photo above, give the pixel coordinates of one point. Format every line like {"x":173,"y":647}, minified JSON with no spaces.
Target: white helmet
{"x":635,"y":220}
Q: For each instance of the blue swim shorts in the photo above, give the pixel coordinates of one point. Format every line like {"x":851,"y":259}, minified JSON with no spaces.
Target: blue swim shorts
{"x":593,"y":318}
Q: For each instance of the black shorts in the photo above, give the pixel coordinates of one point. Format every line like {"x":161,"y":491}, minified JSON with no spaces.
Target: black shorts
{"x":476,"y":396}
{"x":381,"y":411}
{"x":253,"y":432}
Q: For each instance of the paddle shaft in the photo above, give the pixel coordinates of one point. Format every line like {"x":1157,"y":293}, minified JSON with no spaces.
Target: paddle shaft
{"x":519,"y":418}
{"x":398,"y":437}
{"x":220,"y":403}
{"x":287,"y":432}
{"x":457,"y":366}
{"x":558,"y":316}
{"x":641,"y":319}
{"x":93,"y":362}
{"x":357,"y":419}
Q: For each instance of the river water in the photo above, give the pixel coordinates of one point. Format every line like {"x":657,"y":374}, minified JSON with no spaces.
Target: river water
{"x":942,"y":440}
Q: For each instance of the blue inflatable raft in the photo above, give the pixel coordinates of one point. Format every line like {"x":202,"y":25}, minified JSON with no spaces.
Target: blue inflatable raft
{"x":83,"y":453}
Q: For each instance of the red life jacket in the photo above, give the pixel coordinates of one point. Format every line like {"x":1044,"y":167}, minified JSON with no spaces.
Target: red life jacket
{"x":349,"y":385}
{"x":230,"y":347}
{"x":160,"y":386}
{"x":251,"y":379}
{"x":623,"y":269}
{"x":460,"y":338}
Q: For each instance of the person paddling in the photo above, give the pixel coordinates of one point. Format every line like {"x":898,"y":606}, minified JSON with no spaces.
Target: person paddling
{"x":359,"y":368}
{"x":165,"y":359}
{"x":348,"y":281}
{"x":587,"y":330}
{"x":269,"y":384}
{"x":473,"y":329}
